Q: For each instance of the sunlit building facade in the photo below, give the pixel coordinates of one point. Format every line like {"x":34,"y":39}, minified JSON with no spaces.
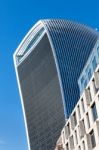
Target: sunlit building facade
{"x":89,"y":68}
{"x":81,"y":131}
{"x":48,"y":63}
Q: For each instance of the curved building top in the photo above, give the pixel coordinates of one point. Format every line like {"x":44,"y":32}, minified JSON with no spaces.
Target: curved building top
{"x":71,"y":44}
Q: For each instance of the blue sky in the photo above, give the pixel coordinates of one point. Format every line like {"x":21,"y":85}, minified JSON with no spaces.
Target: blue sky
{"x":16,"y":18}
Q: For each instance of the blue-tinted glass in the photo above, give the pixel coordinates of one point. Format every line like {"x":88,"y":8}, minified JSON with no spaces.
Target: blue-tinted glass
{"x":32,"y":42}
{"x":89,"y":74}
{"x":85,"y":83}
{"x":94,"y":63}
{"x":94,"y":111}
{"x":35,"y":38}
{"x":82,"y":80}
{"x":72,"y":46}
{"x":98,"y":50}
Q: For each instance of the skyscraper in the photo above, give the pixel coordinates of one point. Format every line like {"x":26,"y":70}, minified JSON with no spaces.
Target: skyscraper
{"x":48,"y":63}
{"x":81,"y":130}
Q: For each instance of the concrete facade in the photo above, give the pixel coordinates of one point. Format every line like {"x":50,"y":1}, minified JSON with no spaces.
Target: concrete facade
{"x":81,"y":131}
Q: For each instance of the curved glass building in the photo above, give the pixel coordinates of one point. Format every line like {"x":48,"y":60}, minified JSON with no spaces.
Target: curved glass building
{"x":48,"y":63}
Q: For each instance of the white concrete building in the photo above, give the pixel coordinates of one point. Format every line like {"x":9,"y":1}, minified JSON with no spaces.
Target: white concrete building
{"x":81,"y":131}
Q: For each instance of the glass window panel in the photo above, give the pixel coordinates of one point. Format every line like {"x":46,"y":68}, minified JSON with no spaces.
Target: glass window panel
{"x":94,"y":63}
{"x":94,"y":112}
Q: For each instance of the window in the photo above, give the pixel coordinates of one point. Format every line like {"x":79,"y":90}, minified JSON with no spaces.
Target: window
{"x":83,"y":145}
{"x":79,"y":137}
{"x":98,"y":50}
{"x":94,"y":112}
{"x":79,"y":114}
{"x":35,"y":38}
{"x":94,"y":86}
{"x":79,"y":148}
{"x":89,"y":74}
{"x":94,"y":63}
{"x":85,"y":83}
{"x":67,"y":147}
{"x":88,"y":121}
{"x":68,"y":126}
{"x":82,"y":80}
{"x":74,"y":117}
{"x":83,"y":124}
{"x":93,"y":142}
{"x":76,"y":137}
{"x":21,"y":53}
{"x":82,"y":104}
{"x":72,"y":140}
{"x":63,"y":137}
{"x":89,"y":94}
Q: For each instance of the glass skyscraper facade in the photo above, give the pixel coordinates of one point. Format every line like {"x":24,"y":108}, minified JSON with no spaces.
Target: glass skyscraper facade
{"x":89,"y":68}
{"x":48,"y":63}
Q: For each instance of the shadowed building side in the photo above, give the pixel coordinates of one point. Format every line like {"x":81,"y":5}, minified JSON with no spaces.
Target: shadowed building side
{"x":42,"y":97}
